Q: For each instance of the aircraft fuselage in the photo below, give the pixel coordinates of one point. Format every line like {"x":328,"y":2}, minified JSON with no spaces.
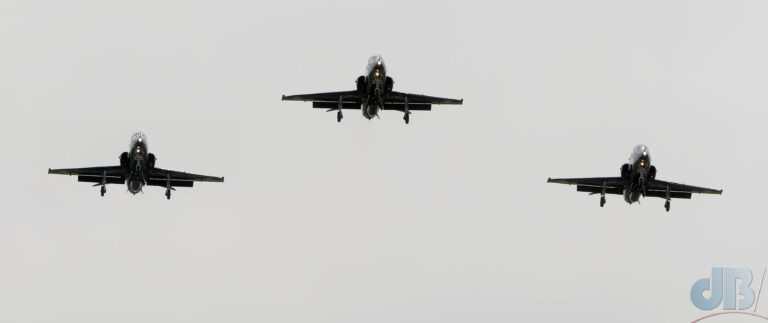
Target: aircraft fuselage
{"x":375,"y":87}
{"x":639,"y":174}
{"x":135,"y":164}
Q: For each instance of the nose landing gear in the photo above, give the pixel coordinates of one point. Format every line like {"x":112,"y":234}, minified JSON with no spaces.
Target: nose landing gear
{"x":666,"y":205}
{"x":103,"y":190}
{"x":602,"y":201}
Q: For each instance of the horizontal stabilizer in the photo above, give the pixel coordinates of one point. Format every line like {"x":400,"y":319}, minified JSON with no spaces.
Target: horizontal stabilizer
{"x":598,"y":189}
{"x":97,"y":179}
{"x":164,"y":183}
{"x":674,"y":195}
{"x":335,"y":105}
{"x":411,"y":106}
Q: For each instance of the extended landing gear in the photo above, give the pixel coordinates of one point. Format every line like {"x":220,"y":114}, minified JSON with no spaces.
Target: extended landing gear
{"x":669,"y":197}
{"x":339,"y":116}
{"x":602,"y":194}
{"x":407,"y":116}
{"x":103,"y":190}
{"x":168,"y":187}
{"x":666,"y":205}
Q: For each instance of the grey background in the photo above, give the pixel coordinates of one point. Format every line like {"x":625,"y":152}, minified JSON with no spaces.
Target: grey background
{"x":448,"y":219}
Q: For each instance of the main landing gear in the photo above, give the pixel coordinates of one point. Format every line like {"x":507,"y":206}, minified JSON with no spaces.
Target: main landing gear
{"x":407,"y":116}
{"x":602,"y":194}
{"x":339,"y":116}
{"x":666,"y":205}
{"x":168,"y":186}
{"x":103,"y":183}
{"x":669,"y":197}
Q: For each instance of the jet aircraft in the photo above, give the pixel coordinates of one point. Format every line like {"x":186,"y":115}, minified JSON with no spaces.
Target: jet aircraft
{"x":638,"y":178}
{"x":373,"y":94}
{"x":137,"y":169}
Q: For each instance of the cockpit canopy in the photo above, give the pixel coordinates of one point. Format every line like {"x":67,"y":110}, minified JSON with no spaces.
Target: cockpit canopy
{"x":138,"y":138}
{"x":374,"y":62}
{"x":640,"y":151}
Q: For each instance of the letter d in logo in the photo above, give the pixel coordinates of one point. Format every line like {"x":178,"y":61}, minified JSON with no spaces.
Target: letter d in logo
{"x":715,"y":292}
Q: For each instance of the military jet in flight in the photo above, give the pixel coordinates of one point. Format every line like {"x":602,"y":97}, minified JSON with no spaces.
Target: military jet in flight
{"x":137,"y":168}
{"x":638,"y":178}
{"x":373,"y":94}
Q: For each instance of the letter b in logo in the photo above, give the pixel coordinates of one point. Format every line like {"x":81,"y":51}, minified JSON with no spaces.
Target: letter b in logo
{"x":723,"y":287}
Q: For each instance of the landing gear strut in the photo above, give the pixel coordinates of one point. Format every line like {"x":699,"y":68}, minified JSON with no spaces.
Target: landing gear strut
{"x":602,"y":195}
{"x":666,"y":205}
{"x":669,"y":197}
{"x":407,"y":116}
{"x":103,"y":183}
{"x":168,"y":187}
{"x":339,"y":116}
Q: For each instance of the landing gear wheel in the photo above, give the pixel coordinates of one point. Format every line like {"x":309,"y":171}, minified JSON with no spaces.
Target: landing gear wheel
{"x":339,"y":116}
{"x":602,"y":201}
{"x":667,"y":205}
{"x":407,"y":118}
{"x":103,"y":190}
{"x":168,"y":194}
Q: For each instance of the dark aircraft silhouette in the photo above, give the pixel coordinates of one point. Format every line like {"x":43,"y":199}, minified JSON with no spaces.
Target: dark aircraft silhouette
{"x":638,"y":178}
{"x":374,"y":93}
{"x":137,"y":168}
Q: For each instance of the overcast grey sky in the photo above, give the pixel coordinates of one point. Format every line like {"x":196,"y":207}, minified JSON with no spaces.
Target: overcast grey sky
{"x":448,"y":219}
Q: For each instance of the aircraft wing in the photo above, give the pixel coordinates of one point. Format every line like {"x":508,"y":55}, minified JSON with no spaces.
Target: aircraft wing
{"x":159,"y":177}
{"x":658,"y":188}
{"x":329,"y":100}
{"x":613,"y":185}
{"x":112,"y":174}
{"x":396,"y":101}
